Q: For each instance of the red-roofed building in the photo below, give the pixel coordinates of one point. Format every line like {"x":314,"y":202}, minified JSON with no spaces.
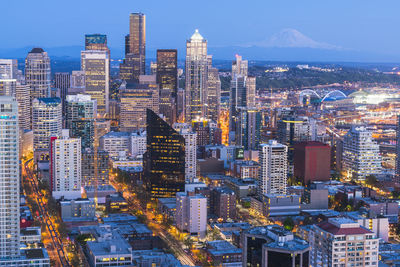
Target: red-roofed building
{"x":342,"y":241}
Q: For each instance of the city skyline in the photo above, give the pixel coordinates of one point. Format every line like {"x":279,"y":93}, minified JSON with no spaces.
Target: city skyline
{"x":344,"y":32}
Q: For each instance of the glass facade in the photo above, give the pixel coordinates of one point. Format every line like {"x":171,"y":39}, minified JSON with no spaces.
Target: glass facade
{"x":37,"y":73}
{"x":167,"y":78}
{"x":164,"y":161}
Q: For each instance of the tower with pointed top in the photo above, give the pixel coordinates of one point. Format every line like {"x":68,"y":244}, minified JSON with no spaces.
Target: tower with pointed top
{"x":196,"y":71}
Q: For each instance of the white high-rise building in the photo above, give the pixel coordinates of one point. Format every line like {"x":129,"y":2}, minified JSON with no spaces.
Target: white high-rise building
{"x":8,"y":69}
{"x":191,"y":213}
{"x":239,"y":67}
{"x":196,"y":77}
{"x":273,"y":168}
{"x":37,"y":73}
{"x":96,"y":64}
{"x":138,"y":143}
{"x":190,"y":136}
{"x":46,"y":122}
{"x":10,"y":179}
{"x":66,"y":166}
{"x":342,"y":242}
{"x":360,"y":153}
{"x":23,"y":96}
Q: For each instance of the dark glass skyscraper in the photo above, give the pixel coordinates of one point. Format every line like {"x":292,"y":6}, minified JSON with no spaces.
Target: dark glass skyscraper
{"x":167,"y":78}
{"x":164,"y":161}
{"x":135,"y":49}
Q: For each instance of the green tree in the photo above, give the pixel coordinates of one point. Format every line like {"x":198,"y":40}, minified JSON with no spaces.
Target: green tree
{"x":371,"y":180}
{"x":288,"y":223}
{"x":188,"y":242}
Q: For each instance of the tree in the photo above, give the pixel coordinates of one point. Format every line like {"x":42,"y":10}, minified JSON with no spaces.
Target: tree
{"x":288,"y":223}
{"x":371,"y":180}
{"x":188,"y":242}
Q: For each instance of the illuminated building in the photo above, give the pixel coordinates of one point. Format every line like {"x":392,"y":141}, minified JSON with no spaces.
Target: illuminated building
{"x":77,"y":82}
{"x":62,"y":81}
{"x":341,"y":241}
{"x":164,"y":161}
{"x":360,"y":154}
{"x":191,"y":213}
{"x":185,"y":130}
{"x":8,"y":69}
{"x":79,"y":118}
{"x":115,"y":143}
{"x":273,"y":246}
{"x":135,"y":49}
{"x":167,"y":79}
{"x":10,"y":179}
{"x":65,"y":166}
{"x":398,"y":149}
{"x":46,"y":122}
{"x":23,"y":97}
{"x":242,"y":96}
{"x":138,"y":144}
{"x":95,"y":64}
{"x":37,"y":73}
{"x":248,"y":127}
{"x":134,"y":100}
{"x":273,"y":168}
{"x":223,"y":203}
{"x":292,"y":130}
{"x":196,"y":77}
{"x":213,"y":94}
{"x":312,"y":161}
{"x":88,"y":169}
{"x":239,"y":67}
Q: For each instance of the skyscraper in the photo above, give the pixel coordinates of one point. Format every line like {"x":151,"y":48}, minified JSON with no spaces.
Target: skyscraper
{"x":65,"y":166}
{"x":134,"y":100}
{"x":23,"y":97}
{"x":360,"y":153}
{"x":191,"y":213}
{"x":248,"y":127}
{"x":37,"y":73}
{"x":8,"y":68}
{"x":190,"y":136}
{"x":95,"y":64}
{"x":79,"y":118}
{"x":164,"y":161}
{"x":273,"y":168}
{"x":196,"y":71}
{"x":239,"y":67}
{"x":62,"y":81}
{"x":135,"y":49}
{"x":96,"y":42}
{"x":46,"y":122}
{"x":167,"y":79}
{"x":213,"y":94}
{"x":10,"y":179}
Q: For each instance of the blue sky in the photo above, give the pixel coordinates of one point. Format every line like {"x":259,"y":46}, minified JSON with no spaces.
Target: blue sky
{"x":366,"y":25}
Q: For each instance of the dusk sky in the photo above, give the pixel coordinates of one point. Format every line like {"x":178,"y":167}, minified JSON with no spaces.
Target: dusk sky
{"x":365,"y":25}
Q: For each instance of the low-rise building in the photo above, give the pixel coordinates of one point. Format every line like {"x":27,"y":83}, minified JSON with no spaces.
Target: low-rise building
{"x":116,"y":203}
{"x":78,"y":210}
{"x":223,"y":253}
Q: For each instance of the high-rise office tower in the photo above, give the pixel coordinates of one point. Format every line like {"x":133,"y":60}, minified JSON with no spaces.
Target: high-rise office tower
{"x":8,"y":69}
{"x":239,"y":67}
{"x":196,"y":71}
{"x":46,"y":122}
{"x":135,"y":49}
{"x":23,"y":97}
{"x":79,"y":118}
{"x":95,"y":64}
{"x":343,"y":241}
{"x":273,"y":168}
{"x":10,"y":179}
{"x":37,"y":73}
{"x":164,"y":161}
{"x":190,"y":136}
{"x":213,"y":94}
{"x":167,"y":79}
{"x":248,"y":127}
{"x":65,"y":166}
{"x":62,"y":81}
{"x":360,"y":153}
{"x":77,"y":81}
{"x":134,"y":100}
{"x":191,"y":213}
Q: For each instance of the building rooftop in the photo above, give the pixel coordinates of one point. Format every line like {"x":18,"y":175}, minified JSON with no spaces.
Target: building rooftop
{"x":343,"y":226}
{"x":221,"y":248}
{"x":116,"y":134}
{"x":116,"y":246}
{"x":37,"y":50}
{"x":49,"y":100}
{"x":119,"y":217}
{"x":91,"y":188}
